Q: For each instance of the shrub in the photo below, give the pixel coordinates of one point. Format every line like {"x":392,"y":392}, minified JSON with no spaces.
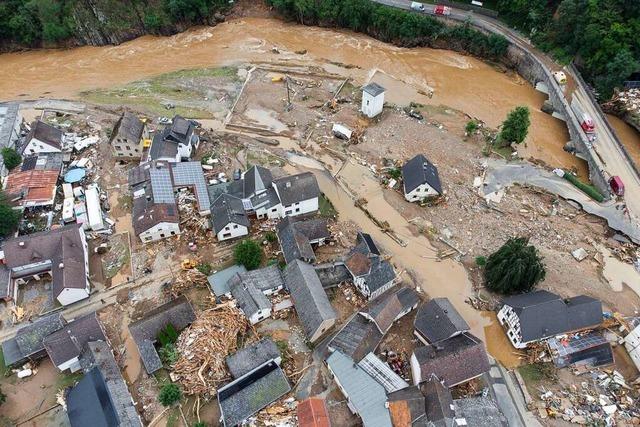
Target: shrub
{"x":9,"y":217}
{"x":168,"y":354}
{"x":471,"y":127}
{"x":169,"y":394}
{"x":200,"y":424}
{"x":3,"y":397}
{"x":167,"y":335}
{"x":204,"y":268}
{"x":481,"y":261}
{"x":249,"y":254}
{"x":270,"y":237}
{"x":590,"y":190}
{"x":516,"y":126}
{"x":395,"y":173}
{"x":11,"y":157}
{"x":515,"y":267}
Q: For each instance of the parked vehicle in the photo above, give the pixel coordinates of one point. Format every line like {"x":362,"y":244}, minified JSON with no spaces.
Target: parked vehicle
{"x":617,"y":186}
{"x":442,"y":10}
{"x":586,"y":122}
{"x":560,"y":77}
{"x":417,"y":6}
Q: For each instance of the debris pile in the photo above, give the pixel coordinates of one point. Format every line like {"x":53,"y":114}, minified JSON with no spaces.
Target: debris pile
{"x":186,"y":279}
{"x":352,"y":295}
{"x":281,"y":414}
{"x":203,"y":347}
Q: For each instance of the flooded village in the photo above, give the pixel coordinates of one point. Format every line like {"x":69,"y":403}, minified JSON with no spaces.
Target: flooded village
{"x":280,"y":227}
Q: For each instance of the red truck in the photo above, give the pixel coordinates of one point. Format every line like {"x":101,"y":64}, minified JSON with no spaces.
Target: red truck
{"x":617,"y":186}
{"x":441,"y":10}
{"x":586,"y":122}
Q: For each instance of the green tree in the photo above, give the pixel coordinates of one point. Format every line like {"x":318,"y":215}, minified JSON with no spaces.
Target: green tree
{"x":10,"y":157}
{"x":168,"y":354}
{"x":515,"y":267}
{"x":170,"y":393}
{"x":9,"y":217}
{"x":204,"y":268}
{"x":515,"y":127}
{"x":249,"y":254}
{"x":471,"y":127}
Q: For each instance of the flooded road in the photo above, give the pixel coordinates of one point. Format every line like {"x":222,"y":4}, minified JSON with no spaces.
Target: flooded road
{"x":460,"y":82}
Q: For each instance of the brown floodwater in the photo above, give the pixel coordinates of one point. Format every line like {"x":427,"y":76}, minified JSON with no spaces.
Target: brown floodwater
{"x":458,"y":81}
{"x":629,"y":137}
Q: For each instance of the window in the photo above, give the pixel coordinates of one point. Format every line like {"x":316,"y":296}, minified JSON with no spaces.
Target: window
{"x":287,"y":212}
{"x":147,"y":238}
{"x":173,"y":233}
{"x":297,"y":210}
{"x":235,"y":226}
{"x":367,"y":102}
{"x":226,"y":235}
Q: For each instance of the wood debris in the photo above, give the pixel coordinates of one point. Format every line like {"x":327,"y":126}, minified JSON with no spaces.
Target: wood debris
{"x":186,"y":279}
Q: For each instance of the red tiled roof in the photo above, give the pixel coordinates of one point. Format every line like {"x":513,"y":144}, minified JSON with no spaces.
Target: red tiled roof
{"x":313,"y":413}
{"x":36,"y":185}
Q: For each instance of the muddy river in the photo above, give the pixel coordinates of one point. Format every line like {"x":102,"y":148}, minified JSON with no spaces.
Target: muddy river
{"x":458,"y":81}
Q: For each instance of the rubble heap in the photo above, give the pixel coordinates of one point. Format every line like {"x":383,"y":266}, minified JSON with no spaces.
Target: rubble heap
{"x":203,"y":347}
{"x":186,"y":279}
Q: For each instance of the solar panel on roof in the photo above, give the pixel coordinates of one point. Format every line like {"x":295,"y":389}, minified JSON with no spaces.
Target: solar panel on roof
{"x":161,"y":186}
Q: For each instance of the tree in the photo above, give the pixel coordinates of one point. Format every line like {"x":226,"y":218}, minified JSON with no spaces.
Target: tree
{"x":168,"y":354}
{"x":9,"y":217}
{"x":10,"y":157}
{"x":249,"y":254}
{"x":169,"y":394}
{"x":515,"y":127}
{"x":515,"y":267}
{"x":3,"y":397}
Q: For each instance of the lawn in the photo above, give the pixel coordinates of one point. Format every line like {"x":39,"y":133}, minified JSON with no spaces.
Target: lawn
{"x":326,"y":207}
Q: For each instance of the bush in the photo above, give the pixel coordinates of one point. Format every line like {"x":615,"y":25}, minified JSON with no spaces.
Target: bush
{"x":249,"y":254}
{"x":516,"y":126}
{"x":481,"y":261}
{"x":515,"y":267}
{"x":590,"y":190}
{"x":167,"y":335}
{"x":168,"y":354}
{"x":395,"y":173}
{"x":3,"y":397}
{"x":11,"y":158}
{"x":204,"y":268}
{"x":471,"y":127}
{"x":9,"y":217}
{"x":270,"y":237}
{"x":200,"y":424}
{"x":169,"y":394}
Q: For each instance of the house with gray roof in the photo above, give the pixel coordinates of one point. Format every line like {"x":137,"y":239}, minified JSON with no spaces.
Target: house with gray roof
{"x":229,"y":218}
{"x":420,"y":179}
{"x":539,"y":315}
{"x":298,"y":194}
{"x":247,"y":359}
{"x":126,"y":137}
{"x":357,"y":338}
{"x":312,"y":305}
{"x":256,"y":180}
{"x":391,"y":307}
{"x":297,"y":237}
{"x":109,"y":387}
{"x":176,"y":142}
{"x":10,"y":127}
{"x":371,"y":274}
{"x":365,"y":396}
{"x":219,"y":281}
{"x":455,"y":360}
{"x":438,"y":320}
{"x":249,"y":299}
{"x":372,"y":99}
{"x":407,"y":407}
{"x":28,"y":343}
{"x":382,"y":373}
{"x":66,"y":345}
{"x":252,"y":392}
{"x":42,"y":138}
{"x":177,"y":312}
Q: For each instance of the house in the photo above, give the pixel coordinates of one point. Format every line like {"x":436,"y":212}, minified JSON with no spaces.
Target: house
{"x":372,"y":100}
{"x":589,"y":349}
{"x":391,"y":307}
{"x":455,"y":360}
{"x":255,"y":181}
{"x":61,"y":253}
{"x":228,"y":218}
{"x":382,"y":373}
{"x":127,"y":137}
{"x":219,"y":281}
{"x":371,"y":274}
{"x":249,"y":299}
{"x":420,"y":179}
{"x":177,"y":312}
{"x":539,"y":315}
{"x":632,"y":344}
{"x":176,"y":142}
{"x":365,"y":396}
{"x":247,"y":359}
{"x":296,"y":238}
{"x":109,"y":387}
{"x":357,"y":338}
{"x":43,"y":138}
{"x":35,"y":182}
{"x":27,"y":344}
{"x":250,"y":393}
{"x":267,"y":280}
{"x":407,"y":407}
{"x":438,"y":320}
{"x":298,"y":194}
{"x":154,"y":186}
{"x":310,"y":300}
{"x":10,"y":126}
{"x":312,"y":412}
{"x":66,"y":345}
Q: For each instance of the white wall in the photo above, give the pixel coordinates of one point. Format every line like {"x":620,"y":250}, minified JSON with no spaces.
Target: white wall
{"x":260,"y":316}
{"x":324,"y":327}
{"x":232,"y":231}
{"x":71,"y":295}
{"x":273,"y":212}
{"x":160,"y":231}
{"x":36,"y":146}
{"x":382,"y":289}
{"x":419,"y":193}
{"x":72,"y":364}
{"x":415,"y":370}
{"x":371,"y":106}
{"x":301,"y":208}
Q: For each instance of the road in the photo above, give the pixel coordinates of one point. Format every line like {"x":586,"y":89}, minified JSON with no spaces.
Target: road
{"x":608,"y":148}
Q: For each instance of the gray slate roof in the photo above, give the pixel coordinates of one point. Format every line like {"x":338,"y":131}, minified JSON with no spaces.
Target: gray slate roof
{"x":543,"y":314}
{"x":373,"y":89}
{"x":265,"y":279}
{"x":438,"y":403}
{"x":129,"y":126}
{"x":227,"y":209}
{"x":296,"y":188}
{"x":265,"y":200}
{"x":310,"y":300}
{"x":480,"y":411}
{"x":357,"y":338}
{"x":89,"y":403}
{"x":8,"y":117}
{"x":438,"y":320}
{"x":418,"y":171}
{"x":387,"y":307}
{"x":252,"y":392}
{"x":454,"y":360}
{"x":364,"y":261}
{"x":365,"y":394}
{"x":70,"y":341}
{"x":219,"y":281}
{"x":5,"y":281}
{"x":295,"y":237}
{"x":256,"y":179}
{"x":98,"y":355}
{"x":178,"y":312}
{"x":249,"y":358}
{"x":46,"y":133}
{"x":28,"y":341}
{"x":250,"y":299}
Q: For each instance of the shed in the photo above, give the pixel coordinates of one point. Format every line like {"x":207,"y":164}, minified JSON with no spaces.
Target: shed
{"x":94,"y":210}
{"x":372,"y":99}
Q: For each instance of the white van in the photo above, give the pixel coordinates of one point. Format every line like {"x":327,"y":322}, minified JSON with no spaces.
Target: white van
{"x":417,"y":6}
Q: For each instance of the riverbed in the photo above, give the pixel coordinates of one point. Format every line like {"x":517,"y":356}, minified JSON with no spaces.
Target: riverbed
{"x":458,"y":81}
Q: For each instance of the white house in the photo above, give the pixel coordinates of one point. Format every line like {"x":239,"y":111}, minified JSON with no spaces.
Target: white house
{"x":632,"y":344}
{"x":177,"y":142}
{"x":298,"y":194}
{"x":43,"y":138}
{"x":250,"y":300}
{"x":371,"y":274}
{"x":229,"y":218}
{"x":420,"y":179}
{"x":372,"y":99}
